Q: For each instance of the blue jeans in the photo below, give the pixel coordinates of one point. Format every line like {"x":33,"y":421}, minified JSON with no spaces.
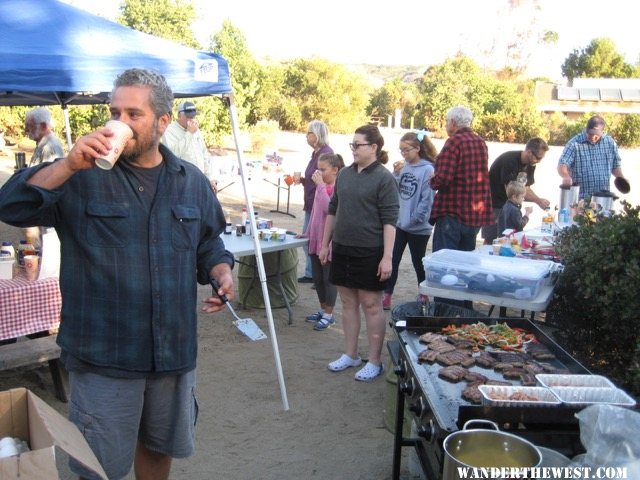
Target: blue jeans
{"x":450,"y":233}
{"x":308,"y":271}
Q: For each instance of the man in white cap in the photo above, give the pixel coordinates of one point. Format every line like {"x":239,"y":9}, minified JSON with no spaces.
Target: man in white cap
{"x":184,"y":139}
{"x":590,"y":158}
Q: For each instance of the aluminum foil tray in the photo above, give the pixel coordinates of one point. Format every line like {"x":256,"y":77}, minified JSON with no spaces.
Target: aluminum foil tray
{"x":546,"y":398}
{"x":578,"y":396}
{"x":550,"y":380}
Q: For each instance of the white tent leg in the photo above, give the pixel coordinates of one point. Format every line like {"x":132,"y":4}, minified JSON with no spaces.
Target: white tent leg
{"x":258,"y":254}
{"x":67,"y":125}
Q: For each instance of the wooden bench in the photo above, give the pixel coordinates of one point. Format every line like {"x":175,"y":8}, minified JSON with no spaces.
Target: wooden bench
{"x":37,"y":350}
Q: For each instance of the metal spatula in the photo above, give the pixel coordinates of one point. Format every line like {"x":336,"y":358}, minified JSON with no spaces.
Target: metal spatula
{"x":245,"y":325}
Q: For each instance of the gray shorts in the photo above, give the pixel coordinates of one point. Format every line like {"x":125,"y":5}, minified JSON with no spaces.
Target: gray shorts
{"x":114,"y":414}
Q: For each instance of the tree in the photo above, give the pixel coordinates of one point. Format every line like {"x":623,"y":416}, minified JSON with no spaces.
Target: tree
{"x":444,"y":86}
{"x":250,"y":82}
{"x":325,"y":91}
{"x":599,"y":59}
{"x":392,"y":95}
{"x":503,"y":110}
{"x":169,"y":19}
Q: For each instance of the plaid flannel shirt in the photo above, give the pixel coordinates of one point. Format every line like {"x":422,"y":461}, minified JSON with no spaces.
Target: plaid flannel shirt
{"x":591,"y":164}
{"x":461,"y":180}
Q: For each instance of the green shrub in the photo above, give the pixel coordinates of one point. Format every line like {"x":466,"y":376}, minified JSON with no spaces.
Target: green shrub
{"x":626,"y":130}
{"x":596,"y":301}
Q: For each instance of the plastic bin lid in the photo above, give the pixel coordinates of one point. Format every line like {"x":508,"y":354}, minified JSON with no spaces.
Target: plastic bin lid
{"x":476,"y":262}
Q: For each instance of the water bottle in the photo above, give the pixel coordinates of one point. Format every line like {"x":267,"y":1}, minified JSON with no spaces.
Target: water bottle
{"x":564,"y":215}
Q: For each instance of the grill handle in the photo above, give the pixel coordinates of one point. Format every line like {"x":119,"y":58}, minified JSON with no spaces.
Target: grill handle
{"x":480,"y":420}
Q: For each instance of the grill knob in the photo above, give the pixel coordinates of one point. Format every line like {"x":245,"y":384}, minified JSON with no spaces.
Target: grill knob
{"x":418,"y":408}
{"x":427,"y":431}
{"x":399,"y":370}
{"x":408,"y":387}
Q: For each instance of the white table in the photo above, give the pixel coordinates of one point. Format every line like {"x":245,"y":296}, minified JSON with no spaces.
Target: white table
{"x":243,"y":245}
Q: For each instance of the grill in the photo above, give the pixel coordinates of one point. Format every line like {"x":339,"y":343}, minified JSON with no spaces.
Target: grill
{"x":436,"y":406}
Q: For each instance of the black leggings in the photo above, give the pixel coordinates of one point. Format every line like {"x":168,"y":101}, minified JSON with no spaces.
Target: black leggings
{"x":327,"y":291}
{"x":417,"y":247}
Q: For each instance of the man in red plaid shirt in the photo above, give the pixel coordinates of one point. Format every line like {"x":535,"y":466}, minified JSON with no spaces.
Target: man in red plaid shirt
{"x":463,"y":200}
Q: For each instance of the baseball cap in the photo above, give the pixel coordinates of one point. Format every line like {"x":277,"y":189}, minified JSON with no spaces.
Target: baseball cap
{"x":188,"y":108}
{"x":595,"y":125}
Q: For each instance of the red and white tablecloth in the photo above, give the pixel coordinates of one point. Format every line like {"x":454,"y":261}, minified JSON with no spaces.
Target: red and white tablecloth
{"x":28,"y":307}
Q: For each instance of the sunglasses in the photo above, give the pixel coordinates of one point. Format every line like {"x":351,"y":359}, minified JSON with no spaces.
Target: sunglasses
{"x":355,"y":146}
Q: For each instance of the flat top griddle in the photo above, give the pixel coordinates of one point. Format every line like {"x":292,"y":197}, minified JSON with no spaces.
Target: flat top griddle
{"x":444,"y":397}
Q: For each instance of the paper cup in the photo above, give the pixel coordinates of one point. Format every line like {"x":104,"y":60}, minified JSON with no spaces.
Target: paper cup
{"x":31,"y":263}
{"x":121,"y":135}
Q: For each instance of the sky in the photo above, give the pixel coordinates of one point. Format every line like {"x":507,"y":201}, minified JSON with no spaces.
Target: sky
{"x":413,"y":32}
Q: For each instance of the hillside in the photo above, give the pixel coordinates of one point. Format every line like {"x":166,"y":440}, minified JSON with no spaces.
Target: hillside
{"x":378,"y":74}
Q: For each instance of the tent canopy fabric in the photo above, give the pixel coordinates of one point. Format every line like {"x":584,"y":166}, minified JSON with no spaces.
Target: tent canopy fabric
{"x":52,"y":53}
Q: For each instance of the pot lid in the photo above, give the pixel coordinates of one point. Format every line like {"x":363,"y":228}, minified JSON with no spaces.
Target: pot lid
{"x":604,"y":193}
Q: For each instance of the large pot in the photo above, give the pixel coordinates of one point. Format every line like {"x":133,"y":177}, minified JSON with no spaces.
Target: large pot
{"x":569,"y":196}
{"x":604,"y":200}
{"x":483,"y":448}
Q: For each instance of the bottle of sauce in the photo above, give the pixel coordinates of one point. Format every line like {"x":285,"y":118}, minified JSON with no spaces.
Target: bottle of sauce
{"x":547,"y":222}
{"x":25,"y":248}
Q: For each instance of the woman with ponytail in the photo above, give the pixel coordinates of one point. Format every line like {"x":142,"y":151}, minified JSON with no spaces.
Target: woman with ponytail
{"x":361,"y":224}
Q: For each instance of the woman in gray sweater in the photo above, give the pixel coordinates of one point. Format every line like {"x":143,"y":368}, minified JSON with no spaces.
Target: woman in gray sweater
{"x":361,"y":223}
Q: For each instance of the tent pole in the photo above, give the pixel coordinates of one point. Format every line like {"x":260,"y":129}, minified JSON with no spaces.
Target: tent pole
{"x":258,"y":254}
{"x":67,"y":125}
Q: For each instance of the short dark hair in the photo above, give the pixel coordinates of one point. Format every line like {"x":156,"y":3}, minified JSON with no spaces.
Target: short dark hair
{"x":161,"y":97}
{"x":537,"y":145}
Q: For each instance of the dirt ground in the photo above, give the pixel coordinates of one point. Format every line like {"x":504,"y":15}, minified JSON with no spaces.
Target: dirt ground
{"x":334,"y":428}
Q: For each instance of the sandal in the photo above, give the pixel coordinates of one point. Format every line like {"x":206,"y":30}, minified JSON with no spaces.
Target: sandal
{"x":314,"y":317}
{"x":369,"y":372}
{"x":344,"y":362}
{"x":324,"y":323}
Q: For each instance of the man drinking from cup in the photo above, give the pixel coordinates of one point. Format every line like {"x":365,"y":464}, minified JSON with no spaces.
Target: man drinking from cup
{"x":134,"y":241}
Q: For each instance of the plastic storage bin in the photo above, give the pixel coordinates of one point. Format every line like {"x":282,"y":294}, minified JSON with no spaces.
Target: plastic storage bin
{"x":476,"y":272}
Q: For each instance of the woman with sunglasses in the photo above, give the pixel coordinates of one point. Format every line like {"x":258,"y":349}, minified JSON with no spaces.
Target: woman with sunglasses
{"x":361,"y":224}
{"x":416,"y":197}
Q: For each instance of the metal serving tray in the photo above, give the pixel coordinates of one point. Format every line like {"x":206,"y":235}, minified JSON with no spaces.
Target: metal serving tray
{"x":582,"y":396}
{"x":552,"y":380}
{"x":546,"y":398}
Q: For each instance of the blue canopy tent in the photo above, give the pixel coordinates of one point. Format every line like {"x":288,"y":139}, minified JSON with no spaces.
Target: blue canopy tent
{"x":52,"y":53}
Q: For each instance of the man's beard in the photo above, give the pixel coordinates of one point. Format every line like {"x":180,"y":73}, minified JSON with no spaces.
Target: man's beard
{"x":142,"y":145}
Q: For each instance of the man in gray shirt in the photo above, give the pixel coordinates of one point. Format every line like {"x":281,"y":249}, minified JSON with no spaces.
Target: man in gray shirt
{"x":39,"y":128}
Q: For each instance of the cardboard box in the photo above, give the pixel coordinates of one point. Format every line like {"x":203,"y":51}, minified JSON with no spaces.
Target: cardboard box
{"x":25,"y":415}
